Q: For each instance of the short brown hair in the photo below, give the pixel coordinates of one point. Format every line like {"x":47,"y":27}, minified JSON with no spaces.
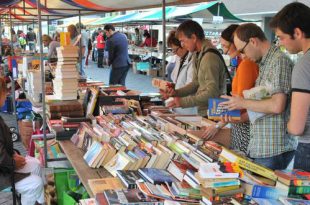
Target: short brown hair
{"x":2,"y":85}
{"x":250,"y":30}
{"x":172,"y":39}
{"x":46,"y":38}
{"x":190,"y":27}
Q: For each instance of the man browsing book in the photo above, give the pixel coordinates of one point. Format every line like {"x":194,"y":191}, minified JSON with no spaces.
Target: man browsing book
{"x":292,"y":27}
{"x":208,"y":71}
{"x":270,"y":145}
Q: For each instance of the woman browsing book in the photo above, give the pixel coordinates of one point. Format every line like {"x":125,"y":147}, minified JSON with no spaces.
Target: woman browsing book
{"x":244,"y":79}
{"x":182,"y":73}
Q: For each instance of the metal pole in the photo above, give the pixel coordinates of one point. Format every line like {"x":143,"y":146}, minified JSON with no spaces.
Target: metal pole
{"x":80,"y":44}
{"x":12,"y":53}
{"x":43,"y":81}
{"x":48,"y":25}
{"x":164,"y":38}
{"x":0,"y":36}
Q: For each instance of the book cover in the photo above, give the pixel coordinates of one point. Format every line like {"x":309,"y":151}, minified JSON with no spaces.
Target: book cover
{"x":128,"y":197}
{"x":93,"y":153}
{"x":156,"y":176}
{"x":216,"y":111}
{"x":266,"y":192}
{"x":214,"y":170}
{"x":118,"y":162}
{"x":129,"y":178}
{"x":247,"y":164}
{"x":102,"y":184}
{"x":161,"y":84}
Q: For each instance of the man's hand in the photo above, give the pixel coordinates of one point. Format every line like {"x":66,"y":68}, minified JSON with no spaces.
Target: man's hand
{"x":175,"y":102}
{"x":234,"y":102}
{"x":210,"y":132}
{"x":164,"y":94}
{"x":20,"y":161}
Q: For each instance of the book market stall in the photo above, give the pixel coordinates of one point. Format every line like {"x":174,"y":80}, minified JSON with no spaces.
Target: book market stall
{"x":109,"y":145}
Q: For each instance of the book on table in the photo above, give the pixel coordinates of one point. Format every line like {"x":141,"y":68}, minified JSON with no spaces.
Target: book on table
{"x":102,"y":184}
{"x":295,"y":177}
{"x":157,"y":176}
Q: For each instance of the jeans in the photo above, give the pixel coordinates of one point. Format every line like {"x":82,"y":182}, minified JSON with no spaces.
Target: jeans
{"x":302,"y":157}
{"x":100,"y":57}
{"x":32,"y":46}
{"x":81,"y":69}
{"x":279,"y":162}
{"x":118,"y":75}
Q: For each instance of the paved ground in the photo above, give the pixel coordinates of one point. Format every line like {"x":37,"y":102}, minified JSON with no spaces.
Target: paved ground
{"x":133,"y":81}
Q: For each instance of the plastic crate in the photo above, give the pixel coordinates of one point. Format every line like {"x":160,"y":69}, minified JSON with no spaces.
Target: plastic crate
{"x":143,"y":66}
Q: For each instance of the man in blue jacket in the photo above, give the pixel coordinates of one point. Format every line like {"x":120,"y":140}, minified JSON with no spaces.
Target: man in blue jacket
{"x":117,"y":46}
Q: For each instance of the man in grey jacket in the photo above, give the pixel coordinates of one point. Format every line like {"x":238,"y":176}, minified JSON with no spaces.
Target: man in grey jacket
{"x":117,"y":46}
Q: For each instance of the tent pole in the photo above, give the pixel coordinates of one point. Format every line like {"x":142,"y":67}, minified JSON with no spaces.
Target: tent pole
{"x":80,"y":43}
{"x":43,"y":81}
{"x":48,"y":23}
{"x":12,"y":53}
{"x":164,"y":38}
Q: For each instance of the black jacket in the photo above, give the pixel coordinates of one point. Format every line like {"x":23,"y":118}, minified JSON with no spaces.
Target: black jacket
{"x":6,"y":157}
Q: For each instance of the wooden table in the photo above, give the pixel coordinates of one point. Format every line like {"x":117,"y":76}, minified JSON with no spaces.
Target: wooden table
{"x":75,"y":156}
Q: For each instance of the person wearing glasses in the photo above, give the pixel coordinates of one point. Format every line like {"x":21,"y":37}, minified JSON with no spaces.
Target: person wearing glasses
{"x":208,"y":70}
{"x":292,"y":27}
{"x":27,"y":170}
{"x":244,"y":79}
{"x":182,"y":73}
{"x":270,"y":145}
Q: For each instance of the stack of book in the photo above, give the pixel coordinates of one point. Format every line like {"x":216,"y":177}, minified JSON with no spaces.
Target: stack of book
{"x":219,"y":180}
{"x":295,"y":183}
{"x":34,"y":85}
{"x":66,"y":75}
{"x":72,"y":108}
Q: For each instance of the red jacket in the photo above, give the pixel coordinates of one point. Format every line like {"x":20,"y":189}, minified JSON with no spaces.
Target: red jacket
{"x":149,"y":42}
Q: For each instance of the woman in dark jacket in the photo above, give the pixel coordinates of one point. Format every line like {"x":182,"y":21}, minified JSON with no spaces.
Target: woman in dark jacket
{"x":27,"y":169}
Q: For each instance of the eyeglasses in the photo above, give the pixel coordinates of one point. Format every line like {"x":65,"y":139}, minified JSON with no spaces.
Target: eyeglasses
{"x":175,"y":50}
{"x":242,"y":49}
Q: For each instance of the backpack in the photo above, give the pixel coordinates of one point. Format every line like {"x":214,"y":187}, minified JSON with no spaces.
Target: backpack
{"x":228,"y":77}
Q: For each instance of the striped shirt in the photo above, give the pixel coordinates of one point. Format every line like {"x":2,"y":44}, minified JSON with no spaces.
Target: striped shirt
{"x":268,"y":134}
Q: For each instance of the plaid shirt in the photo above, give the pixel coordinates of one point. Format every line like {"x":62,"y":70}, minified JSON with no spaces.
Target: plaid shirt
{"x":268,"y":134}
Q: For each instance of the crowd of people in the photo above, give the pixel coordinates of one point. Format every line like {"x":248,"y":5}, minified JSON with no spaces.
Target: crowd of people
{"x":280,"y":134}
{"x":282,"y":131}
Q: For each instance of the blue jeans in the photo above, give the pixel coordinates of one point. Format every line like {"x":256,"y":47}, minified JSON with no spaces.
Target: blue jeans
{"x":118,"y":75}
{"x":302,"y":157}
{"x":276,"y":162}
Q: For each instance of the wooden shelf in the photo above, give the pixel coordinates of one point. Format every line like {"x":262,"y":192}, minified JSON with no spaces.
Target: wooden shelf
{"x":75,"y":156}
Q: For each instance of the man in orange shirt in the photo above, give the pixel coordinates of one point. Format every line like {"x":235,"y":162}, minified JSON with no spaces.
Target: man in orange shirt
{"x":244,"y":79}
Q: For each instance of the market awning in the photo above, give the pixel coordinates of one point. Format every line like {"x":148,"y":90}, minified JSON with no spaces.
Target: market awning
{"x":174,"y":13}
{"x":26,"y":10}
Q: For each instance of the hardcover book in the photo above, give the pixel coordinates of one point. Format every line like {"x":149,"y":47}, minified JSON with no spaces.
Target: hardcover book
{"x":157,"y":176}
{"x":216,"y":111}
{"x":129,"y":178}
